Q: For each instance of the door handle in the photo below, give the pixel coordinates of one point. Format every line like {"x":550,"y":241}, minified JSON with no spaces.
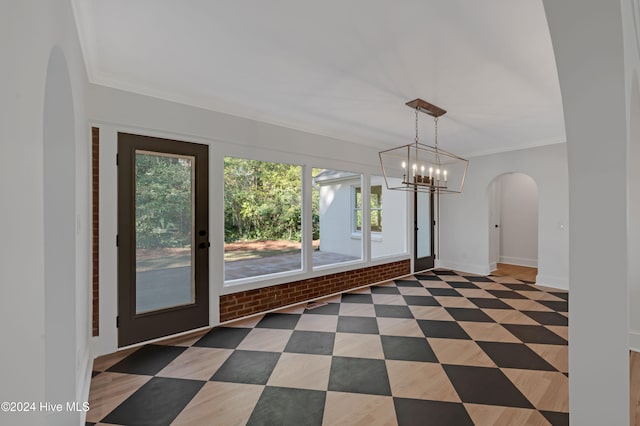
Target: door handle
{"x":204,"y":245}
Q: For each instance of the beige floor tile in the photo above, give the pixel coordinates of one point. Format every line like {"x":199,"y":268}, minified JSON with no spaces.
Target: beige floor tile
{"x":388,"y":299}
{"x":399,"y":327}
{"x":509,"y":316}
{"x":504,"y":416}
{"x":355,"y":409}
{"x":434,"y":284}
{"x":332,"y":299}
{"x":363,"y":290}
{"x":388,"y":284}
{"x":460,"y":352}
{"x":540,"y":295}
{"x":245,"y":323}
{"x":526,"y":305}
{"x":454,"y":278}
{"x":104,"y":362}
{"x":506,"y":280}
{"x":196,"y":363}
{"x":545,"y":389}
{"x":455,"y":302}
{"x":474,"y":292}
{"x":414,"y":291}
{"x":220,"y":403}
{"x":358,"y":345}
{"x":265,"y":339}
{"x":496,"y":285}
{"x":186,"y":340}
{"x":556,"y":355}
{"x":357,"y":310}
{"x":108,"y":390}
{"x":488,"y":332}
{"x":311,"y":322}
{"x":564,"y":314}
{"x":431,"y":313}
{"x":420,"y":380}
{"x":560,"y":330}
{"x":301,"y":371}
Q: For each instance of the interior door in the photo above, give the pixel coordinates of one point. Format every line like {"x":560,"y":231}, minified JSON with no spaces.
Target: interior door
{"x":423,"y":231}
{"x":163,"y":237}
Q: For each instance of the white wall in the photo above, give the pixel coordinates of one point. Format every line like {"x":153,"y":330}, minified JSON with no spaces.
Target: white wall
{"x":392,"y":239}
{"x":114,"y":110}
{"x":518,"y":220}
{"x":464,"y":218}
{"x":587,"y":37}
{"x":336,"y":217}
{"x":30,"y":31}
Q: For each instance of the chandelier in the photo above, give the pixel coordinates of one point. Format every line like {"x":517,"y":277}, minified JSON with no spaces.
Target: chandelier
{"x":424,"y":168}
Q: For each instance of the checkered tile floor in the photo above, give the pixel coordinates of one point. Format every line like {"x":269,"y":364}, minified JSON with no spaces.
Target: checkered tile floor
{"x":441,"y":348}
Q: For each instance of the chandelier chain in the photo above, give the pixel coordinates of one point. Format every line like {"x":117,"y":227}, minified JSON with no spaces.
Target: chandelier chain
{"x":416,"y":125}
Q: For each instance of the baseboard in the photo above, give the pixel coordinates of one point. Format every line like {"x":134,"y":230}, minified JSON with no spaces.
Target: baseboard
{"x":519,"y":261}
{"x":463,"y":267}
{"x":561,"y":283}
{"x":634,"y":340}
{"x":493,"y":266}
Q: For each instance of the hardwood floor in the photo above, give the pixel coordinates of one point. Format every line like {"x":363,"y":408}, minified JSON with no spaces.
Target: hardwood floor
{"x":634,"y":367}
{"x":522,"y":273}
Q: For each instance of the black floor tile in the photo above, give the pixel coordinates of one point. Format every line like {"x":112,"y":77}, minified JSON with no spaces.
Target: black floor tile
{"x":443,"y":329}
{"x":363,"y":325}
{"x":515,"y":355}
{"x":223,"y":337}
{"x":535,"y":334}
{"x":311,"y":342}
{"x":560,"y":294}
{"x":443,"y":272}
{"x":157,"y":402}
{"x":416,"y":412}
{"x":407,"y":349}
{"x":456,"y":284}
{"x":547,"y":318}
{"x":379,"y":289}
{"x":359,"y":375}
{"x":285,"y":406}
{"x":408,"y":283}
{"x":421,"y":301}
{"x":356,"y":298}
{"x":521,"y":287}
{"x":148,"y":360}
{"x":486,"y":303}
{"x":443,"y":292}
{"x":555,"y":305}
{"x":393,"y":311}
{"x":481,"y":385}
{"x":95,"y":373}
{"x":556,"y":419}
{"x":247,"y":367}
{"x":281,"y":321}
{"x":479,"y":279}
{"x":428,"y":278}
{"x":328,"y":309}
{"x":506,"y":294}
{"x":466,"y":314}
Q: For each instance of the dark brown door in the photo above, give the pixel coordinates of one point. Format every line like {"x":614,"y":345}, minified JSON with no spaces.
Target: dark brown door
{"x":424,"y":255}
{"x":163,"y":237}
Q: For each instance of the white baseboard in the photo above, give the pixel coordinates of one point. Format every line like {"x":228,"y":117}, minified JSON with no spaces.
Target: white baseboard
{"x":493,"y":266}
{"x":463,"y":267}
{"x":519,"y":261}
{"x":561,"y":283}
{"x":634,"y":340}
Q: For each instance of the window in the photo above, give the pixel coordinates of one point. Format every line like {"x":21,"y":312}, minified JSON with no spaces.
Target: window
{"x":390,"y":240}
{"x":331,"y":201}
{"x":375,"y":213}
{"x":262,"y":218}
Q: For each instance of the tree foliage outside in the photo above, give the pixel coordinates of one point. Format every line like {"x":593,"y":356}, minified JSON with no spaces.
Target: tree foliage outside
{"x":262,"y":200}
{"x":163,"y":201}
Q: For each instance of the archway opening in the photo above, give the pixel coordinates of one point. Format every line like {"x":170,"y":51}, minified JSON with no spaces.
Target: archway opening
{"x":513,"y":226}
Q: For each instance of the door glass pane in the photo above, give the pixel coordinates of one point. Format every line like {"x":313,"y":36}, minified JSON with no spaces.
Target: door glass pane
{"x":423,"y":242}
{"x":164,"y":221}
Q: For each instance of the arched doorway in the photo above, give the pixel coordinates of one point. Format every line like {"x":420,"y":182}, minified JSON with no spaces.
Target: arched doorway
{"x":513,"y":226}
{"x":59,"y":165}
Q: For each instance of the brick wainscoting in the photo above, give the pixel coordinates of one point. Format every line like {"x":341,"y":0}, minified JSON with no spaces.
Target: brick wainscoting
{"x":249,"y":302}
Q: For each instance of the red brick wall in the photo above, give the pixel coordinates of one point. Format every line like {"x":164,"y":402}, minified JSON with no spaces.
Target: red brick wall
{"x":95,"y":161}
{"x":249,"y":302}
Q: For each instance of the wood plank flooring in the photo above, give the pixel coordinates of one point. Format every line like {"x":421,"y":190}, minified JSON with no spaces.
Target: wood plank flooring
{"x":522,"y":273}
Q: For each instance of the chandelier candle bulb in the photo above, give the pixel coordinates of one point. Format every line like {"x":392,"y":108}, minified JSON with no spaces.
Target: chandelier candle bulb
{"x":445,"y":175}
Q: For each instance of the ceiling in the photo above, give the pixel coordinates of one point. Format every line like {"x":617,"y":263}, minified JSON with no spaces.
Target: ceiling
{"x":340,"y":68}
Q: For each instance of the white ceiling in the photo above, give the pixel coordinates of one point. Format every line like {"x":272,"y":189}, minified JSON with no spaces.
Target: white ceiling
{"x":341,"y":68}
